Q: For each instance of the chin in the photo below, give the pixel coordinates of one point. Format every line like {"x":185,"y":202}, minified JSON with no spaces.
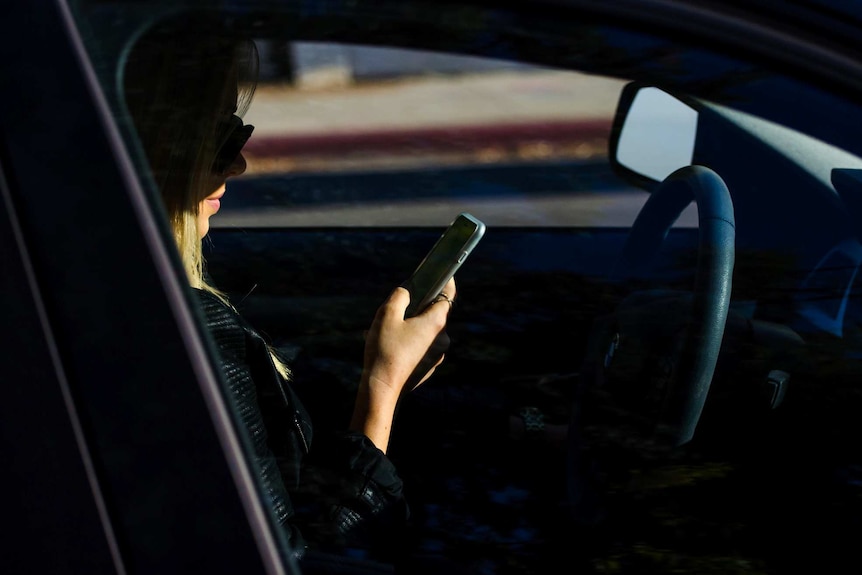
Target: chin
{"x":203,"y":229}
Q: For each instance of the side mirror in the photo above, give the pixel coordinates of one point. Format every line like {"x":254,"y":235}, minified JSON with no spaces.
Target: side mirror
{"x":653,"y":135}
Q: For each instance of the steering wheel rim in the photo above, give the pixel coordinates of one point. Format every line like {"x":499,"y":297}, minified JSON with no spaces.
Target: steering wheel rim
{"x":701,"y":342}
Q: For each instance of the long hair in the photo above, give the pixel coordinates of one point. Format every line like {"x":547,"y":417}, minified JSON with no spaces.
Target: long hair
{"x":177,"y":78}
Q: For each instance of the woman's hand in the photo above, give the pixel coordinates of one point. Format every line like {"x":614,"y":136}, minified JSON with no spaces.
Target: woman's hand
{"x":399,"y":354}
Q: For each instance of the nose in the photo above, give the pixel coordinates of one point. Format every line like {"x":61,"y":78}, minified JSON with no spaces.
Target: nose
{"x":237,"y":167}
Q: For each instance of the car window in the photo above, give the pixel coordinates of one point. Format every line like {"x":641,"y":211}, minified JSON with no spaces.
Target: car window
{"x":367,"y":135}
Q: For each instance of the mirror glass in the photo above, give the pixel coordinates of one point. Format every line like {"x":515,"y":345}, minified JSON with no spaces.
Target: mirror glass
{"x":658,"y":134}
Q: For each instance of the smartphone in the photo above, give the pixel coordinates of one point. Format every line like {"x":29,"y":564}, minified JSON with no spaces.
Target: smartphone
{"x":441,"y":263}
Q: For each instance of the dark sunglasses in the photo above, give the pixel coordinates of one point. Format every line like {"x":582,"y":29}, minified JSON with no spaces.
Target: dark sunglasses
{"x":233,"y":134}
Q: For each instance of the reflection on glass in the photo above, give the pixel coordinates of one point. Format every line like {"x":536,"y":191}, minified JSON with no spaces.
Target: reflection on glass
{"x":658,"y":135}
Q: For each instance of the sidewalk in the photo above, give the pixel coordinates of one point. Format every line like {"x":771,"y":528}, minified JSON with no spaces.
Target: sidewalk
{"x":434,"y":118}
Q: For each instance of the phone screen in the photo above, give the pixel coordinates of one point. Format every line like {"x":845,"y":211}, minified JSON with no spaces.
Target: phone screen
{"x":442,"y":261}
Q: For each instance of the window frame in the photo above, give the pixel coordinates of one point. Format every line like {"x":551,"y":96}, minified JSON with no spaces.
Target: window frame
{"x":170,"y":480}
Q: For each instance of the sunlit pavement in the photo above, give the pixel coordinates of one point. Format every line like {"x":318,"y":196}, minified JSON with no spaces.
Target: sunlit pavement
{"x":443,"y":119}
{"x":519,"y":147}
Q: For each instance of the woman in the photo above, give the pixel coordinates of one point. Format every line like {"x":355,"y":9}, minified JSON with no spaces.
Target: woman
{"x":186,"y":83}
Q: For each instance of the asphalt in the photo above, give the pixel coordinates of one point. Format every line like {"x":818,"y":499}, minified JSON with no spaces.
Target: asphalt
{"x":490,"y":136}
{"x":439,"y":117}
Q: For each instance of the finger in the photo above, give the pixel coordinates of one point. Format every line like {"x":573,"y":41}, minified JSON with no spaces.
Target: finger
{"x":448,"y":293}
{"x":439,"y":361}
{"x":441,"y":343}
{"x":447,"y":297}
{"x":396,"y":302}
{"x":421,"y":381}
{"x":398,"y":296}
{"x":429,"y":373}
{"x":450,"y":289}
{"x":438,"y":310}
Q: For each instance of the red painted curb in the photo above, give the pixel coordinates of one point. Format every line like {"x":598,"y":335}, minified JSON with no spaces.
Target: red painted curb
{"x":456,"y":138}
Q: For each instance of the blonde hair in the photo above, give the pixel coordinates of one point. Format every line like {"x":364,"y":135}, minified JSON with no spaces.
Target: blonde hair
{"x":176,"y":79}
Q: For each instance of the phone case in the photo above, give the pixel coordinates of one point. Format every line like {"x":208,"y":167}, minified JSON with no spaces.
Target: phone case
{"x":442,"y":261}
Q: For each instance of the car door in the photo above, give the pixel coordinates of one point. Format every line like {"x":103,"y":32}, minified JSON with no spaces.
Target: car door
{"x":331,"y":216}
{"x":102,"y":472}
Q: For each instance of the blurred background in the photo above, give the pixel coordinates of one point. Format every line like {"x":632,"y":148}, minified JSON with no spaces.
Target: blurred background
{"x":350,"y":135}
{"x":347,"y":107}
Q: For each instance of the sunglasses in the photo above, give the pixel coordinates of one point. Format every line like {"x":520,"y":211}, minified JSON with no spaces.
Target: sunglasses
{"x":234,"y":134}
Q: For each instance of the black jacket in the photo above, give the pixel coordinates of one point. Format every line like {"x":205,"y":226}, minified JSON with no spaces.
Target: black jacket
{"x":342,"y":492}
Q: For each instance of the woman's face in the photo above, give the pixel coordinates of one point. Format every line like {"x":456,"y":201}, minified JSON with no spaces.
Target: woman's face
{"x":223,"y":170}
{"x":211,"y":204}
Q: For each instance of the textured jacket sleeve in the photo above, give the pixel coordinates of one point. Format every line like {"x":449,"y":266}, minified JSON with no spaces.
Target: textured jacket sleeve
{"x":230,"y":339}
{"x":366,"y":508}
{"x":341,"y":493}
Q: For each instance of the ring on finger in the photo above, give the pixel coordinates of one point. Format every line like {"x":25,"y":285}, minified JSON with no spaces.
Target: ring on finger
{"x":443,"y":296}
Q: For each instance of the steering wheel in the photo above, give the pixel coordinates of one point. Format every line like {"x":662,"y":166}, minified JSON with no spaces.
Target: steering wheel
{"x":691,"y":326}
{"x":700,"y":343}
